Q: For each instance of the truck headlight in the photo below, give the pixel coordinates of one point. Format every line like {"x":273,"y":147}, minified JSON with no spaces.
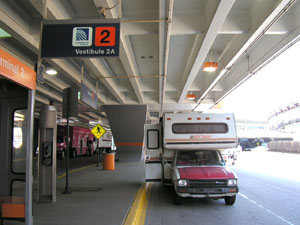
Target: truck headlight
{"x":232,"y":182}
{"x":182,"y":183}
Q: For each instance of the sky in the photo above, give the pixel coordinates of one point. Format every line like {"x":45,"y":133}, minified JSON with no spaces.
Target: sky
{"x":274,"y":86}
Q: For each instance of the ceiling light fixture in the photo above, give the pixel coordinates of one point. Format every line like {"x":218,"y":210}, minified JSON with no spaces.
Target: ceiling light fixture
{"x":51,"y":72}
{"x":210,"y":66}
{"x":191,"y":96}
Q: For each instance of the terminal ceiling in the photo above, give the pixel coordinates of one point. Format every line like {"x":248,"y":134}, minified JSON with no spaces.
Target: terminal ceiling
{"x":163,"y":46}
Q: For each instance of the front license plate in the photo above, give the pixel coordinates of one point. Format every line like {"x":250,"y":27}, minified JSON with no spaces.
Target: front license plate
{"x":210,"y":190}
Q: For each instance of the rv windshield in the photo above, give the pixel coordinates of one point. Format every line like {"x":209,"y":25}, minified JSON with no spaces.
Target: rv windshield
{"x":199,"y":158}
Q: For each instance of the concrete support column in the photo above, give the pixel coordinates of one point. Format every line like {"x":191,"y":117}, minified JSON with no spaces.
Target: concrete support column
{"x":127,"y":126}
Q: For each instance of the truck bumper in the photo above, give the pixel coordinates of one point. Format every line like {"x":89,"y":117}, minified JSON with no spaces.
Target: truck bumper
{"x":206,"y":192}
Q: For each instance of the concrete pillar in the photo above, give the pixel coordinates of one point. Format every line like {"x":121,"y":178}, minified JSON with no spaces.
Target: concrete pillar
{"x":127,"y":126}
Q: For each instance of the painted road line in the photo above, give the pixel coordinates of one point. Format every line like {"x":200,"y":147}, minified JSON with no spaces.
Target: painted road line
{"x":137,"y":212}
{"x":268,"y":210}
{"x":75,"y":170}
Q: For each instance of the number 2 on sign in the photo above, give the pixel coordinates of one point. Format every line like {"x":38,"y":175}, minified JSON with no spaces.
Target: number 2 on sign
{"x":105,"y":36}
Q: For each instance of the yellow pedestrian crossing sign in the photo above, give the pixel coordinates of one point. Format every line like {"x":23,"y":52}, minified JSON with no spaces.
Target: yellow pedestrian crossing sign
{"x":98,"y":131}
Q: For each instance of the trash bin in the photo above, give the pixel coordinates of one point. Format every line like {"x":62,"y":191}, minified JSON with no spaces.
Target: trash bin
{"x":108,"y":162}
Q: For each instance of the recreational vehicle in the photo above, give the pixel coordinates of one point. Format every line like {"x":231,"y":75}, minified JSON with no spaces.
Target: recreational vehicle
{"x":185,"y":150}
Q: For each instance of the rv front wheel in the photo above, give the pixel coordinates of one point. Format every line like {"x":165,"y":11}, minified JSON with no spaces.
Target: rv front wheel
{"x":230,"y":200}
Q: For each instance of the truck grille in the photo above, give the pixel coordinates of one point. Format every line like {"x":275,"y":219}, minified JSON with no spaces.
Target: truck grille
{"x":207,"y":183}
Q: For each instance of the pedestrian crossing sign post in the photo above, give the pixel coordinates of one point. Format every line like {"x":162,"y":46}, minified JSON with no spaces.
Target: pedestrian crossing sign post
{"x":98,"y":131}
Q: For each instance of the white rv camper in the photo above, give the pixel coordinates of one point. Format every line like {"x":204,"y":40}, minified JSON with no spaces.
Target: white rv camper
{"x":178,"y":148}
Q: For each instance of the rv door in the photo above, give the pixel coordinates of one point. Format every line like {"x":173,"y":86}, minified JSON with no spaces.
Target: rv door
{"x":152,"y":151}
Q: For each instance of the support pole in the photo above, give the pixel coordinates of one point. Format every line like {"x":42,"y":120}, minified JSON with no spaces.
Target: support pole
{"x":98,"y":152}
{"x":29,"y":149}
{"x":67,"y":189}
{"x":70,"y":109}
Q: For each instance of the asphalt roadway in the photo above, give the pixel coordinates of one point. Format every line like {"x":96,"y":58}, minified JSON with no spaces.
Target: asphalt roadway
{"x":269,"y":195}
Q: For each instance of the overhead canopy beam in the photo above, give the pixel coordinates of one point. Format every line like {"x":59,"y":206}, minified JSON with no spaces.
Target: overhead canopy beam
{"x":42,"y":100}
{"x":84,"y":116}
{"x":162,"y":89}
{"x":100,"y":69}
{"x":17,"y":31}
{"x":242,"y":73}
{"x":162,"y":46}
{"x":260,"y":31}
{"x":171,"y":107}
{"x":216,"y":24}
{"x":127,"y":56}
{"x":128,"y":60}
{"x":75,"y":77}
{"x":49,"y":94}
{"x":57,"y":83}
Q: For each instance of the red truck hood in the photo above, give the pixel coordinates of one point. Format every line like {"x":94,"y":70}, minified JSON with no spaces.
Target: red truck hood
{"x":211,"y":172}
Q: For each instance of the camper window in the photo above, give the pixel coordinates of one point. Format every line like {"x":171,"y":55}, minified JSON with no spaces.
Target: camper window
{"x":152,"y":139}
{"x":199,"y":128}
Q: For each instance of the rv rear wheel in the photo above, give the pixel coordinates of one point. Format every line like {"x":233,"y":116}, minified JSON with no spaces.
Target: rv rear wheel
{"x":230,"y":200}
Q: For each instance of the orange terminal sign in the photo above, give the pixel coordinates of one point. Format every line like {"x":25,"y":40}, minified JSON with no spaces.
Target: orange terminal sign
{"x":15,"y":70}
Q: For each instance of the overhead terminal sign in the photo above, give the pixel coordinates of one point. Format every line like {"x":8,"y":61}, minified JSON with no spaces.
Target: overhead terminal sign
{"x":15,"y":70}
{"x":98,"y":131}
{"x":80,"y":38}
{"x":88,"y":96}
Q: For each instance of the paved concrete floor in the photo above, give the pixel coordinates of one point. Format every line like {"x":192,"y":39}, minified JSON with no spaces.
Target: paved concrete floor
{"x":98,"y":197}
